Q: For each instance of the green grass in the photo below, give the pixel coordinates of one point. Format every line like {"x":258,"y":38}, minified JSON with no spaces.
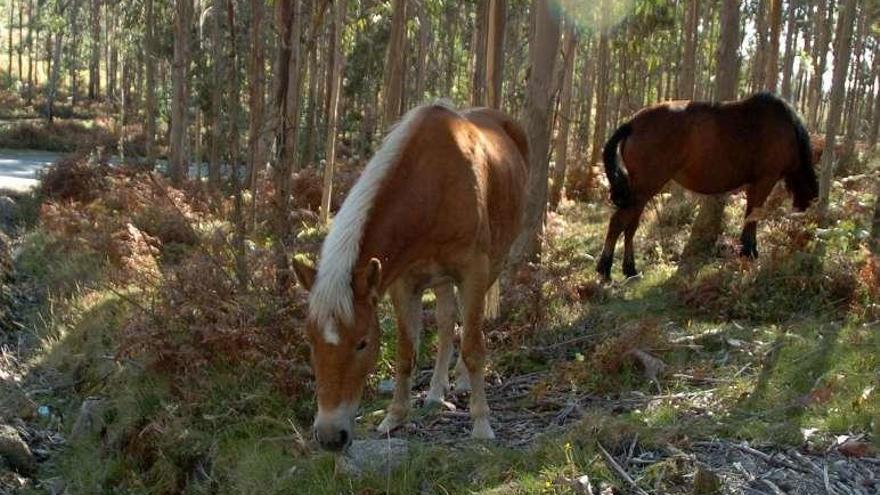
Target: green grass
{"x":763,"y":351}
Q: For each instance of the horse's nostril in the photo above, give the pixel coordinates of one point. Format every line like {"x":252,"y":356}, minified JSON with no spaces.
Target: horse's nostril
{"x":343,"y":438}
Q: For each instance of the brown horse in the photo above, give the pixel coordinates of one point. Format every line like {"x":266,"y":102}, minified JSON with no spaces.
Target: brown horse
{"x":438,"y":205}
{"x":708,"y":148}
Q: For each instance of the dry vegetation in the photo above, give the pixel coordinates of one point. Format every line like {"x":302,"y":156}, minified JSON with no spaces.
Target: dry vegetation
{"x":205,"y":386}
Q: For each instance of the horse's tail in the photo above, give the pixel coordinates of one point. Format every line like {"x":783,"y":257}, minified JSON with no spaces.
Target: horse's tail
{"x":618,"y":180}
{"x":805,"y":149}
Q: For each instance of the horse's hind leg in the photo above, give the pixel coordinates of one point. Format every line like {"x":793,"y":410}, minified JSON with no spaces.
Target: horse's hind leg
{"x":619,"y":221}
{"x":629,"y":257}
{"x":756,"y":195}
{"x":408,"y":310}
{"x":473,"y":287}
{"x":446,"y":308}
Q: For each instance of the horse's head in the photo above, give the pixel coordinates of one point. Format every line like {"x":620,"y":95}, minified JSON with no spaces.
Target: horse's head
{"x":343,"y":354}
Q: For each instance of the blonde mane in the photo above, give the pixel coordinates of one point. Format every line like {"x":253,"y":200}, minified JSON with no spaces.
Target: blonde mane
{"x":331,"y":296}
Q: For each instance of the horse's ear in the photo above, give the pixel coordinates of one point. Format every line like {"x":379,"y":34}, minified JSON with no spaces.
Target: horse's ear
{"x":305,"y":273}
{"x":374,"y":275}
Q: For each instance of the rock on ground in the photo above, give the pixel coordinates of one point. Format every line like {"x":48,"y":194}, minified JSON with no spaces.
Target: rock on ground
{"x":377,"y":457}
{"x":15,"y":452}
{"x":91,"y":418}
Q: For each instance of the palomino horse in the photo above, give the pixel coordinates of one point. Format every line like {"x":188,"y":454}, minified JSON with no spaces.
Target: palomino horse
{"x":709,"y":148}
{"x":439,"y":204}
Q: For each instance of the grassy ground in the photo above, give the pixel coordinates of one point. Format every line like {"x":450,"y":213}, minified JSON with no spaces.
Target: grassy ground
{"x":778,"y":351}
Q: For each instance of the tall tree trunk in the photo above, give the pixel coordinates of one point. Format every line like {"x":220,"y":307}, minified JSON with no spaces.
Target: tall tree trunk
{"x":256,"y":100}
{"x":759,"y":61}
{"x":308,"y":154}
{"x":450,"y":13}
{"x":842,"y":47}
{"x":55,"y":70}
{"x":709,"y":223}
{"x":335,"y":89}
{"x":11,"y":24}
{"x":394,"y":67}
{"x":602,"y":81}
{"x":537,"y":118}
{"x":178,"y":159}
{"x":424,"y":48}
{"x":820,"y":52}
{"x":791,"y":37}
{"x":216,"y":151}
{"x":771,"y":67}
{"x":855,"y":92}
{"x":565,"y":117}
{"x":150,"y":107}
{"x":875,"y":115}
{"x":30,"y":49}
{"x":287,"y":102}
{"x":481,"y":29}
{"x":692,"y":21}
{"x":495,"y":52}
{"x":95,"y":50}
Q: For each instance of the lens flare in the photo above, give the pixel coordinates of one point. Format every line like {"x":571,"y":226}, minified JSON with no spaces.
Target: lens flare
{"x":591,"y":15}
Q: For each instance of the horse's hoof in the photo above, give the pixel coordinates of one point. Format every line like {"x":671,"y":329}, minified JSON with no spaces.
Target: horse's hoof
{"x":603,"y":268}
{"x":462,"y":384}
{"x":389,"y":424}
{"x":482,"y":430}
{"x":629,"y":271}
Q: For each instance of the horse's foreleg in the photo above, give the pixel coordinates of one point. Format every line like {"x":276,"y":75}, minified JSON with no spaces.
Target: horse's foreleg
{"x":756,"y":196}
{"x":446,"y":307}
{"x":407,"y":309}
{"x":629,"y":257}
{"x":619,"y":220}
{"x":473,"y":289}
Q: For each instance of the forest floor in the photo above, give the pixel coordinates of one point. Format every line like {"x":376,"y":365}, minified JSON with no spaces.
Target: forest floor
{"x":125,"y":368}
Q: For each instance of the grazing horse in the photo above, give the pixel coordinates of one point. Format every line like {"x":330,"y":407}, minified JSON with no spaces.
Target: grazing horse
{"x":438,"y":205}
{"x":708,"y":148}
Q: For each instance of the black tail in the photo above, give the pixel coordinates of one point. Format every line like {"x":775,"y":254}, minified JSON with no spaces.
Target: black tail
{"x":618,"y":181}
{"x":805,"y":152}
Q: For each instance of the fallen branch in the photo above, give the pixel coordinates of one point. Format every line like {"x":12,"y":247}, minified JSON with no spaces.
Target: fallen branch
{"x":621,"y":473}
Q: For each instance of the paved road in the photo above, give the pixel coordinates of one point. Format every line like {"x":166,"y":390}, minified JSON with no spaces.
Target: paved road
{"x":18,"y":168}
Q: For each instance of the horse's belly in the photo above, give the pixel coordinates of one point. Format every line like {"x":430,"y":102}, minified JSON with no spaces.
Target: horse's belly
{"x":706,"y":180}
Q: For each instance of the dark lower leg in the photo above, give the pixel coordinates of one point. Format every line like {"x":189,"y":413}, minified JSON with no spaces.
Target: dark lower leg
{"x":749,"y":240}
{"x":615,"y":227}
{"x":629,"y":256}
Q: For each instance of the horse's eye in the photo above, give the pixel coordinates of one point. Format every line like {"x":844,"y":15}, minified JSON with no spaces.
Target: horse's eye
{"x":362,"y":345}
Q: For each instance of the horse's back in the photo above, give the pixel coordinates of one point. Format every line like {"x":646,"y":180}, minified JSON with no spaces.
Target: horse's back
{"x":458,"y":186}
{"x":711,"y":147}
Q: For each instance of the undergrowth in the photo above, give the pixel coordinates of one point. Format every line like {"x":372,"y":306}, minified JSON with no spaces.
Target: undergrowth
{"x":207,"y":386}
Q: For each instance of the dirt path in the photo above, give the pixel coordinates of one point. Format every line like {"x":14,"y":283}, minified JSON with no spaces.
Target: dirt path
{"x":18,"y":168}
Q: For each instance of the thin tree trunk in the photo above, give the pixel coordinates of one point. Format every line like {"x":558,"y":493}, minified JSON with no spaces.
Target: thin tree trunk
{"x":537,"y":119}
{"x":820,"y":52}
{"x":709,"y":223}
{"x":565,"y":116}
{"x":759,"y":61}
{"x":217,"y":69}
{"x":771,"y":68}
{"x":495,"y":52}
{"x":394,"y":67}
{"x":481,"y":29}
{"x":602,"y":82}
{"x":842,"y":47}
{"x":692,"y":20}
{"x":256,"y":101}
{"x":179,"y":162}
{"x":54,"y":71}
{"x":424,"y":47}
{"x":335,"y":87}
{"x":150,"y":107}
{"x":791,"y":37}
{"x":95,"y":53}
